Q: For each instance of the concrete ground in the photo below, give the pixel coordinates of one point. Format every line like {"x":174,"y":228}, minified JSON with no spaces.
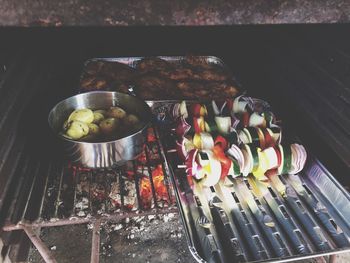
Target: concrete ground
{"x":153,"y":239}
{"x":150,"y":239}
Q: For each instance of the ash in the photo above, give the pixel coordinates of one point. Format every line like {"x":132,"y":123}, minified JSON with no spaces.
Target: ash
{"x":153,"y":238}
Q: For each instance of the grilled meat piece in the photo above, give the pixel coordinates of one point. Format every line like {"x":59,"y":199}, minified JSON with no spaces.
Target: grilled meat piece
{"x":120,"y":86}
{"x":115,"y":70}
{"x":102,"y":75}
{"x":197,"y":62}
{"x":153,"y":86}
{"x":212,"y":74}
{"x":181,"y":74}
{"x":155,"y":78}
{"x":151,"y":64}
{"x":89,"y":83}
{"x":206,"y":90}
{"x":118,"y":71}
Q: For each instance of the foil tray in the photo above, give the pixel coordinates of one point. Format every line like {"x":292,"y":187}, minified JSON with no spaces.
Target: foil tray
{"x":132,"y":62}
{"x":230,"y":224}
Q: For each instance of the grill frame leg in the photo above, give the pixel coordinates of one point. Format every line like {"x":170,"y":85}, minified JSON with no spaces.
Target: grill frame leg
{"x":95,"y":244}
{"x":39,"y":244}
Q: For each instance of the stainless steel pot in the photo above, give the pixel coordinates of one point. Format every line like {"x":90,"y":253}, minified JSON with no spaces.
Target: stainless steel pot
{"x":102,"y":154}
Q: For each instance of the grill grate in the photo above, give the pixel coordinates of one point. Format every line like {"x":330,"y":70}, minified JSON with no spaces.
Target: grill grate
{"x":65,"y":194}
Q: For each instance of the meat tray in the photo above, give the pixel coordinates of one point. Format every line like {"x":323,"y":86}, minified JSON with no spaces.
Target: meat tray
{"x":174,"y":60}
{"x":311,"y":220}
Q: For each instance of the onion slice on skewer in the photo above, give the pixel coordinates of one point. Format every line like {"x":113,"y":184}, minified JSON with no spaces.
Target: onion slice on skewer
{"x":202,"y":165}
{"x":223,"y":124}
{"x":183,"y":147}
{"x":182,"y":127}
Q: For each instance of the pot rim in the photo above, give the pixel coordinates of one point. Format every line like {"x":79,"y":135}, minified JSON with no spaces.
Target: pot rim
{"x":140,"y":131}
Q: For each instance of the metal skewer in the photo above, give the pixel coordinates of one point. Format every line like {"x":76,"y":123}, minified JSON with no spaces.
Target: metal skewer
{"x":310,"y":226}
{"x":319,"y":211}
{"x":261,"y":191}
{"x":262,"y":218}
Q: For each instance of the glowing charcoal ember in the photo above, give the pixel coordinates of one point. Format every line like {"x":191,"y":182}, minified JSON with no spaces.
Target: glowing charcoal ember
{"x":145,"y":193}
{"x":153,"y":153}
{"x":151,"y":137}
{"x":158,"y":182}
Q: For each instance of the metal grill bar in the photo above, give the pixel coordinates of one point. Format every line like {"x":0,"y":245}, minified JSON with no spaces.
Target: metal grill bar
{"x":137,"y":185}
{"x":95,"y":249}
{"x":42,"y":248}
{"x":45,"y":190}
{"x":34,"y":181}
{"x":58,"y":200}
{"x":121,"y":188}
{"x":170,"y":194}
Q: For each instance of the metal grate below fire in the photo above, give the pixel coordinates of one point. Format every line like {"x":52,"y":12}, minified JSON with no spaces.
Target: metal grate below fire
{"x":78,"y":195}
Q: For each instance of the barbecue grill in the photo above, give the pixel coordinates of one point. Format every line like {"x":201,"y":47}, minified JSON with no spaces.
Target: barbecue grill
{"x":40,"y":189}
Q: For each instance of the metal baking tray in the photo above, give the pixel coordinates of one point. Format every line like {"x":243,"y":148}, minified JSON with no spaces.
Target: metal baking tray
{"x":311,"y":220}
{"x":132,"y":62}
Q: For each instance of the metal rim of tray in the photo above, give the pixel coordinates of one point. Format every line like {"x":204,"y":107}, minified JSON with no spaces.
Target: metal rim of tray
{"x":192,"y":246}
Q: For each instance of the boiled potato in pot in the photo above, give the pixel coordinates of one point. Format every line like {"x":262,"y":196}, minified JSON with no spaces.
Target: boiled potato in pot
{"x":77,"y":129}
{"x":109,"y":126}
{"x":103,"y":112}
{"x":116,"y":112}
{"x":98,"y":117}
{"x":83,"y":115}
{"x":100,"y":125}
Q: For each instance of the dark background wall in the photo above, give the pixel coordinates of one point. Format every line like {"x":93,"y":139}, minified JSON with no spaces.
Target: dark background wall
{"x":168,"y":12}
